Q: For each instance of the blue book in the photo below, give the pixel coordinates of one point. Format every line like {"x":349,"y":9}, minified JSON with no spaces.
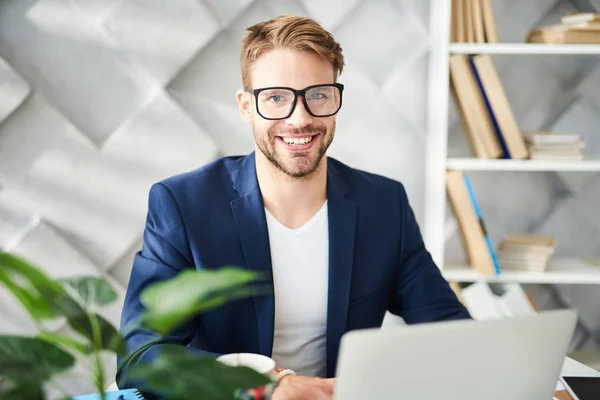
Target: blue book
{"x":125,"y":394}
{"x":486,"y":237}
{"x":490,"y":111}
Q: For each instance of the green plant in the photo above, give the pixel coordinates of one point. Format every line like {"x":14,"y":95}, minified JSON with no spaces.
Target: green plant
{"x":28,"y":363}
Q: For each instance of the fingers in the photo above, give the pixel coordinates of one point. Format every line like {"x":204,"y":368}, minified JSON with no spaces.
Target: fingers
{"x":329,"y":385}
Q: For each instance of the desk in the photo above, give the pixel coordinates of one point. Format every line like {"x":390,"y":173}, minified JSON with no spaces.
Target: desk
{"x":574,"y":368}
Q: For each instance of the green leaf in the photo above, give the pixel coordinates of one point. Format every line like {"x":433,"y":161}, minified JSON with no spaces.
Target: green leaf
{"x":24,"y":358}
{"x":66,"y":341}
{"x":25,"y":390}
{"x":111,"y":338}
{"x":34,"y":275}
{"x":168,"y":321}
{"x":89,"y":292}
{"x":43,"y":297}
{"x":36,"y":306}
{"x":177,"y":300}
{"x":183,"y":375}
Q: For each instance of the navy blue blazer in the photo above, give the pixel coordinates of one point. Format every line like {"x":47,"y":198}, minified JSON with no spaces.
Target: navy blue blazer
{"x":214,"y":216}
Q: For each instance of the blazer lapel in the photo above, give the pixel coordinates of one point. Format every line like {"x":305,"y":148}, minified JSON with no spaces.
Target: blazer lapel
{"x":249,"y":214}
{"x":342,"y":227}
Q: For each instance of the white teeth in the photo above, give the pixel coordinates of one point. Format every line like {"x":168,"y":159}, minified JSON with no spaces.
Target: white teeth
{"x":295,"y":141}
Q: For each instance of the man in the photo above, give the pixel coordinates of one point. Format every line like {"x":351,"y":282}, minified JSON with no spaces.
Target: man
{"x":342,"y":246}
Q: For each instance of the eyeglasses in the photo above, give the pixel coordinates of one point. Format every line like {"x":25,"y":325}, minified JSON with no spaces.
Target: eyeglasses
{"x":279,"y":102}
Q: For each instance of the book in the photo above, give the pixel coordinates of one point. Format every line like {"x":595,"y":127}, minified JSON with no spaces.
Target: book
{"x":481,"y":302}
{"x":560,"y":147}
{"x":556,"y":157}
{"x":455,"y":286}
{"x":578,"y":17}
{"x":458,"y":21}
{"x":489,"y":21}
{"x":472,"y":109}
{"x":124,"y":394}
{"x":586,"y":26}
{"x":477,"y":18}
{"x":505,"y":301}
{"x":531,"y":239}
{"x":507,"y":128}
{"x":492,"y":114}
{"x":469,"y":34}
{"x":471,"y":230}
{"x":453,"y":22}
{"x":486,"y":237}
{"x":564,"y":34}
{"x":551,"y":137}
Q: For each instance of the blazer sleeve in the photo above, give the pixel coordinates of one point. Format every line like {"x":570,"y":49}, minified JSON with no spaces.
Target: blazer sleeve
{"x":420,"y":294}
{"x":165,"y":252}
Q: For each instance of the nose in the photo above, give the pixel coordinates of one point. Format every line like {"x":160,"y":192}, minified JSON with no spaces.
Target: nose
{"x":300,"y":117}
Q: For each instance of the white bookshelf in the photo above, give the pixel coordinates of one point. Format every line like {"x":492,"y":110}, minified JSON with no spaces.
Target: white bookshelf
{"x":523,"y":48}
{"x":477,"y":164}
{"x":561,"y":270}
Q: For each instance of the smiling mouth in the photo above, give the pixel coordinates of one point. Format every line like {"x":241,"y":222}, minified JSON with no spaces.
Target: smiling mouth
{"x":294,"y":141}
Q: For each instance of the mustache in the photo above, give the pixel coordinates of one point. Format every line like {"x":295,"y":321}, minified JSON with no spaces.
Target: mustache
{"x":301,"y":131}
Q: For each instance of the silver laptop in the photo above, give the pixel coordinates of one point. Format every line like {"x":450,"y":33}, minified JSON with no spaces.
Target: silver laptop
{"x":503,"y":359}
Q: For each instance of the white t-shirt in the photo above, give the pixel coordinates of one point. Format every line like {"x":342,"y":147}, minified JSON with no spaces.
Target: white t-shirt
{"x":300,"y":259}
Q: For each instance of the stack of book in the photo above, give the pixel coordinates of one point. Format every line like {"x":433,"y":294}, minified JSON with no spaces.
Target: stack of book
{"x":546,"y":145}
{"x":475,"y":240}
{"x":473,"y":21}
{"x":484,"y":109}
{"x":526,"y":252}
{"x":581,"y":28}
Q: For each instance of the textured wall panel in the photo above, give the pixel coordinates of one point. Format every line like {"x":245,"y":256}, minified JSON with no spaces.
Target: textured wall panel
{"x":53,"y":170}
{"x":74,"y":65}
{"x":576,"y":222}
{"x":227,"y":10}
{"x":13,"y":90}
{"x":331,"y":13}
{"x":95,"y":10}
{"x":162,"y":36}
{"x":16,"y":223}
{"x":368,"y":44}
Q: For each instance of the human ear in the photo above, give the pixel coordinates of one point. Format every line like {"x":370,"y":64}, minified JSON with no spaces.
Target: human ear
{"x":244,"y":100}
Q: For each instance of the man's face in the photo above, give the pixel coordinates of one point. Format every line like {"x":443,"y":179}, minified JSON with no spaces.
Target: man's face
{"x":294,"y":145}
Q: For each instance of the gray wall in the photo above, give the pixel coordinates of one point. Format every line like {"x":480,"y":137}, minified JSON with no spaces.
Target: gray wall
{"x":99,"y":99}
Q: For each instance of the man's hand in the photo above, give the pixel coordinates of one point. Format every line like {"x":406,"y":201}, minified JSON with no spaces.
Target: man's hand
{"x":304,"y":388}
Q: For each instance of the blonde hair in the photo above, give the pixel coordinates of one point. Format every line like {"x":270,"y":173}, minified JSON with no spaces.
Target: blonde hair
{"x":289,"y":32}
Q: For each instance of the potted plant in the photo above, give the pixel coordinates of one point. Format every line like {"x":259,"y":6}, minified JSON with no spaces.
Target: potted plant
{"x":28,"y":363}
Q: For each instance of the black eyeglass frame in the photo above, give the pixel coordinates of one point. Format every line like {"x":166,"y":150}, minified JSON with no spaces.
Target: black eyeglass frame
{"x":297,"y":93}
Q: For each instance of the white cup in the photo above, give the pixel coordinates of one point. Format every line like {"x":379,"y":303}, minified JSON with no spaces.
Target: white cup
{"x":258,"y":362}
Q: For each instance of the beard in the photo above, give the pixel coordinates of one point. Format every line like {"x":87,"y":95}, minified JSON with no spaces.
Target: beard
{"x":299,"y":164}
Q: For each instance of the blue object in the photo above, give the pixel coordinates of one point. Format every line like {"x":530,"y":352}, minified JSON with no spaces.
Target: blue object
{"x":125,"y":394}
{"x":490,"y":111}
{"x":214,"y":216}
{"x":486,"y":237}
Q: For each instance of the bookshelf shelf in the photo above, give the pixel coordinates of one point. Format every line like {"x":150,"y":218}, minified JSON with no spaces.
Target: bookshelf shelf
{"x":523,"y":48}
{"x":560,"y":271}
{"x":477,"y":164}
